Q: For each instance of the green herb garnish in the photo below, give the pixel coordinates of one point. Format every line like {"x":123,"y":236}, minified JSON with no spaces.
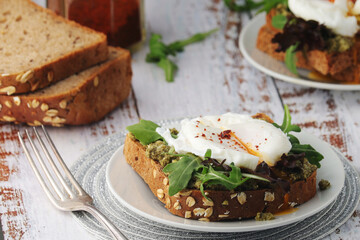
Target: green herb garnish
{"x":169,"y":68}
{"x":286,"y":125}
{"x":270,"y":4}
{"x":159,"y":51}
{"x":180,"y":172}
{"x":311,"y":154}
{"x":279,"y":21}
{"x":144,"y":131}
{"x":212,"y":177}
{"x":208,"y":153}
{"x":266,"y":5}
{"x":290,"y":58}
{"x":247,"y":6}
{"x":178,"y":46}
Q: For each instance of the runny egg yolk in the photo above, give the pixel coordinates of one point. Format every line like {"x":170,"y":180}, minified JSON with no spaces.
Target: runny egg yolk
{"x":247,"y":147}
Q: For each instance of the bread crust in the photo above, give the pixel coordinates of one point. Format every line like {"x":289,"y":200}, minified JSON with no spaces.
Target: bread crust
{"x":88,"y":101}
{"x":340,"y":66}
{"x":59,"y":68}
{"x":223,"y":205}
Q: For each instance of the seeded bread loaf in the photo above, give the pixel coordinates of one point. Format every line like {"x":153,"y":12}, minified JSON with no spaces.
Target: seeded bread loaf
{"x":38,"y":48}
{"x":80,"y":99}
{"x":222,"y":205}
{"x":339,"y":66}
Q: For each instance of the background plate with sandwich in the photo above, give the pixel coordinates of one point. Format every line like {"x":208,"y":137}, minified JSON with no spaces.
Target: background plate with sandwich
{"x":315,"y":51}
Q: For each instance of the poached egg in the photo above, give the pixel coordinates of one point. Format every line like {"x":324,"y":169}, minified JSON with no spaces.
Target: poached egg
{"x":338,"y":15}
{"x":237,"y":138}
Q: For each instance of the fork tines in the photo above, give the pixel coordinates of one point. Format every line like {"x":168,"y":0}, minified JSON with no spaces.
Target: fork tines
{"x":50,"y":178}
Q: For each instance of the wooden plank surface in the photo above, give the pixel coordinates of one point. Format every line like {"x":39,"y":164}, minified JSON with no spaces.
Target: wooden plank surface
{"x":213,"y":78}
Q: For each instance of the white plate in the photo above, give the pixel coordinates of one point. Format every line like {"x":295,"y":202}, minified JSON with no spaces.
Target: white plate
{"x":134,"y":193}
{"x":275,"y":68}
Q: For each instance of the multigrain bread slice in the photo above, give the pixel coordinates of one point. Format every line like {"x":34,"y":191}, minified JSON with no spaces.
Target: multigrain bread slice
{"x":220,"y":205}
{"x":38,"y":48}
{"x":340,"y":66}
{"x":80,"y":99}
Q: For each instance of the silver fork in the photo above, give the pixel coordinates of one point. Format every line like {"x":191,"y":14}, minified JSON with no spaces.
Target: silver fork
{"x":64,"y":196}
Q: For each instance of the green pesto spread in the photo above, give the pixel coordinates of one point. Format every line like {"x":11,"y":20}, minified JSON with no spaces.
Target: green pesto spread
{"x":174,"y":131}
{"x":339,"y":44}
{"x":324,"y":184}
{"x":160,"y":152}
{"x":260,"y":216}
{"x":306,"y":169}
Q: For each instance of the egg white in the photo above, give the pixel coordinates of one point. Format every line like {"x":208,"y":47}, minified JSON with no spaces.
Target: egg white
{"x":249,"y":141}
{"x":333,"y":15}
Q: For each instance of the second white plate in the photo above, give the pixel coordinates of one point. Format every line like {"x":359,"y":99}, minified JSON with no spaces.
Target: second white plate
{"x":275,"y":68}
{"x":133,"y":192}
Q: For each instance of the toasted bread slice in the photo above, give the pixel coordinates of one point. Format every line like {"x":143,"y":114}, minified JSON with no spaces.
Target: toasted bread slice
{"x":221,"y":205}
{"x":79,"y":99}
{"x":38,"y":48}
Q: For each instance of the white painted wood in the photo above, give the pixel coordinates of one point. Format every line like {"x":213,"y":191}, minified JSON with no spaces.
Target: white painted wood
{"x":213,"y":78}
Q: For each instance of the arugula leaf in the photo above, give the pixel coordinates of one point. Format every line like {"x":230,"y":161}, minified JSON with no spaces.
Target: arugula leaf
{"x":208,"y":153}
{"x":159,"y":51}
{"x":290,"y":58}
{"x":248,"y":5}
{"x":286,"y":125}
{"x":293,"y":140}
{"x":270,"y":4}
{"x":248,"y":175}
{"x":181,"y":172}
{"x":144,"y":131}
{"x":213,"y":177}
{"x":311,"y":154}
{"x":169,"y":68}
{"x":279,"y":21}
{"x":266,"y":5}
{"x":178,"y":46}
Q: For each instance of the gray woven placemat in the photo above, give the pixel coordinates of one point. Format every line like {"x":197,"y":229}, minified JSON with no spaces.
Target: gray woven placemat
{"x":89,"y":170}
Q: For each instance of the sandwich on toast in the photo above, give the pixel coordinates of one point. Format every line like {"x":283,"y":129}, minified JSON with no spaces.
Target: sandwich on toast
{"x":226,"y":167}
{"x":322,"y":34}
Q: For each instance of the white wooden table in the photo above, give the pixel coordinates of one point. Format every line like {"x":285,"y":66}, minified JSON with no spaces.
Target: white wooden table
{"x":213,"y":78}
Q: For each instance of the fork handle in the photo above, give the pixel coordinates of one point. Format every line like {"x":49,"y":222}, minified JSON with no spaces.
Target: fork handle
{"x":115,"y":233}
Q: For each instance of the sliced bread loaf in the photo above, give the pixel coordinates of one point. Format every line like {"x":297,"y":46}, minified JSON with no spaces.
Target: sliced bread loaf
{"x":80,"y":99}
{"x":37,"y":47}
